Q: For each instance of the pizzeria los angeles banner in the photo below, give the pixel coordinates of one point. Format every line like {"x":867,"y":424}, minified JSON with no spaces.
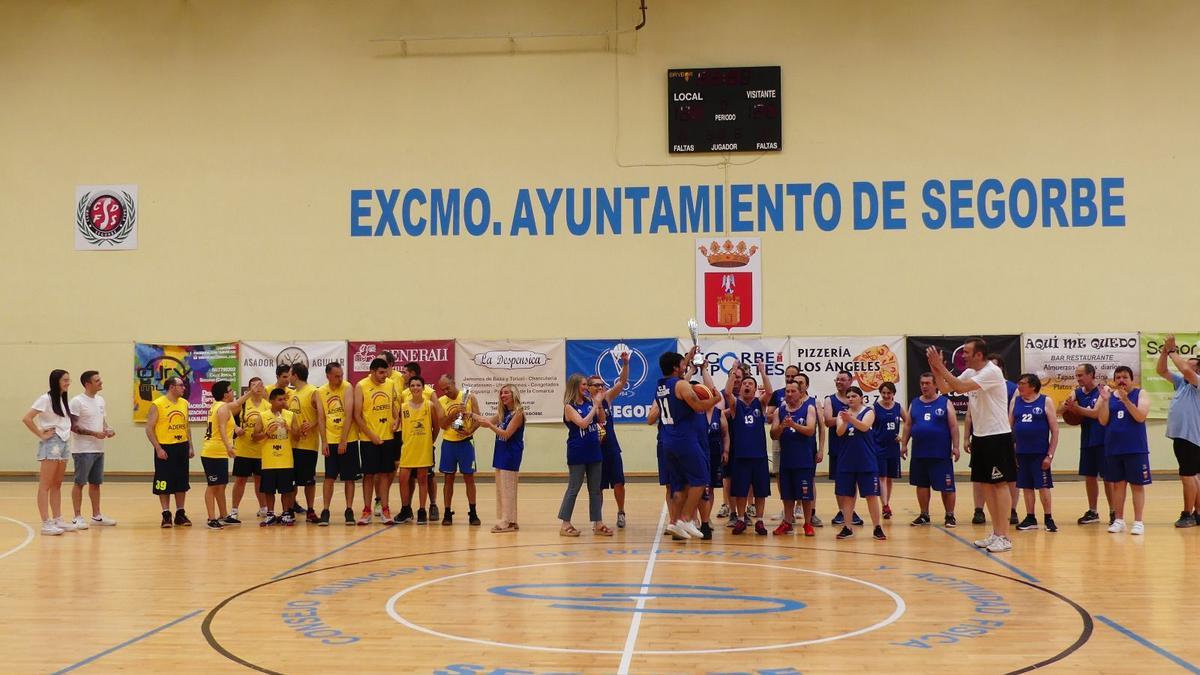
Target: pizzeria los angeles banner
{"x":200,"y":366}
{"x":1007,"y":346}
{"x":870,"y":360}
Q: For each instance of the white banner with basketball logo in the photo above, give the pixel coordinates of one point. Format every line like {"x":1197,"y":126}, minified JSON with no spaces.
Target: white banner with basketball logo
{"x":723,"y":354}
{"x":258,"y":359}
{"x":537,"y":368}
{"x":106,"y":217}
{"x":871,"y":360}
{"x":729,"y":285}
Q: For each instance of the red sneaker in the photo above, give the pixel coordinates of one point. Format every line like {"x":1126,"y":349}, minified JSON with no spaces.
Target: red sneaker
{"x":887,"y":512}
{"x":759,"y":528}
{"x":809,"y":531}
{"x":784,"y":528}
{"x":739,"y":527}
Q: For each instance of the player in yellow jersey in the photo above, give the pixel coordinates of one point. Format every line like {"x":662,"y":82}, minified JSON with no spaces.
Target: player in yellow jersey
{"x":283,"y":380}
{"x":411,"y":369}
{"x":303,"y":403}
{"x":335,"y":417}
{"x":458,"y":445}
{"x":167,"y":429}
{"x":248,"y":452}
{"x":278,"y":429}
{"x":375,"y":415}
{"x":216,"y":451}
{"x":420,"y":421}
{"x":397,"y":381}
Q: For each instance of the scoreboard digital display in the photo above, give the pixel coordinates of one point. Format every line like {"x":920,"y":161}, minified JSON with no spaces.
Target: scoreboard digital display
{"x":724,"y":109}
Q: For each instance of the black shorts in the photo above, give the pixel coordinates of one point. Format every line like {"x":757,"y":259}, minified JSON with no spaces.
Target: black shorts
{"x":305,"y":462}
{"x":1188,"y":454}
{"x":993,"y":459}
{"x":343,"y":467}
{"x":216,"y":470}
{"x":244,"y":467}
{"x":278,"y":481}
{"x":394,"y":447}
{"x":375,"y":458}
{"x":171,"y":474}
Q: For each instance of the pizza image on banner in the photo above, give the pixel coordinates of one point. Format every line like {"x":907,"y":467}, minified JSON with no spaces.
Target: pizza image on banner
{"x":870,"y":360}
{"x":729,"y":285}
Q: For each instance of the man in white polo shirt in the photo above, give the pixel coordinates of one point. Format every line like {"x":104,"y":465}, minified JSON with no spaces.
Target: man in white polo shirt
{"x":993,"y":463}
{"x":89,"y":429}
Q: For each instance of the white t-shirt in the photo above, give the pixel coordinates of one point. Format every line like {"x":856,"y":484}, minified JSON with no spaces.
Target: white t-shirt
{"x":46,"y":419}
{"x":988,"y":404}
{"x":90,"y":413}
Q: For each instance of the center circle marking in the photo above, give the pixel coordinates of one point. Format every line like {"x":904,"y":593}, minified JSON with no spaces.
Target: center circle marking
{"x":892,"y":618}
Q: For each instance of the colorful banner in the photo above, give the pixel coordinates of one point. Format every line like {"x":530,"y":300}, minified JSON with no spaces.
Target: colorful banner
{"x":535,"y":367}
{"x":721,"y":355}
{"x":259,"y":359}
{"x":1053,"y":357}
{"x":436,"y":357}
{"x":729,"y":285}
{"x":1007,"y":346}
{"x":603,"y":358}
{"x":872,"y":360}
{"x":1161,"y":391}
{"x":200,"y":366}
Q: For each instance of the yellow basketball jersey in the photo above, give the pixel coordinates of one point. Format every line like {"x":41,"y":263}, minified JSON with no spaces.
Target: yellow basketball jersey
{"x":213,"y":447}
{"x":247,"y":446}
{"x":334,"y":403}
{"x":277,"y":447}
{"x":172,"y":424}
{"x":416,"y":428}
{"x":377,"y":406}
{"x":450,"y":434}
{"x":302,"y":404}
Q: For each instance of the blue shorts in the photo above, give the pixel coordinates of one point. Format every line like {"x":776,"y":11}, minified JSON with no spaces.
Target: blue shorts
{"x":1030,"y":475}
{"x":747,"y":473}
{"x":716,"y":476}
{"x":664,"y":471}
{"x":612,"y":471}
{"x":832,"y":466}
{"x":1091,"y":460}
{"x":867,"y":484}
{"x":1132,"y":469}
{"x":936,"y":473}
{"x":686,"y":464}
{"x":889,"y":467}
{"x":798,"y":484}
{"x":458,"y":457}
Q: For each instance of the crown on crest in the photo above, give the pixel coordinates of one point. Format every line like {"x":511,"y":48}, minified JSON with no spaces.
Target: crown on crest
{"x":728,"y":254}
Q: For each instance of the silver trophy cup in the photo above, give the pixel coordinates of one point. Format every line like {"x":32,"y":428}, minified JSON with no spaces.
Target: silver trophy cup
{"x":458,"y":422}
{"x":694,"y":331}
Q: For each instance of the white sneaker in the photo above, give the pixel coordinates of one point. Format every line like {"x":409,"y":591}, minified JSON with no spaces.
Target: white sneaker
{"x":50,"y":529}
{"x":678,"y":530}
{"x":987,"y":541}
{"x":103,"y":520}
{"x":693,"y":531}
{"x":1138,"y":528}
{"x":262,"y":512}
{"x":1118,"y":525}
{"x":1000,"y":545}
{"x":798,"y":513}
{"x":63,"y":525}
{"x":233,"y":512}
{"x":79,"y":523}
{"x":751,"y":511}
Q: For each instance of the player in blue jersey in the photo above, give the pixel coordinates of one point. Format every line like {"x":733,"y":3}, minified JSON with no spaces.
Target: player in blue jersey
{"x":794,"y":425}
{"x":858,"y":467}
{"x":1091,"y":442}
{"x":889,"y":423}
{"x":718,"y":457}
{"x":678,"y":406}
{"x":1035,"y":434}
{"x":612,"y":471}
{"x":833,"y":406}
{"x":932,"y":427}
{"x":583,"y":416}
{"x":748,"y":464}
{"x":1123,"y":412}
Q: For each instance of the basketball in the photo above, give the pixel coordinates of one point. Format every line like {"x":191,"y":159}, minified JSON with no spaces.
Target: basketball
{"x":702,"y":392}
{"x":1073,"y":418}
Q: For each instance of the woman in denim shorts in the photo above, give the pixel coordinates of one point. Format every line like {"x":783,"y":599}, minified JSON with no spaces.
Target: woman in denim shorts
{"x":49,"y":418}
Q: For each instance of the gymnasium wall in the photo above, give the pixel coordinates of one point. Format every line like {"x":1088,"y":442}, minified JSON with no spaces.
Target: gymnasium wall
{"x":247,"y":126}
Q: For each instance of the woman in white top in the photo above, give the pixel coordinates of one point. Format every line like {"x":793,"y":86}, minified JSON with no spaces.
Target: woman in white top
{"x":50,"y":420}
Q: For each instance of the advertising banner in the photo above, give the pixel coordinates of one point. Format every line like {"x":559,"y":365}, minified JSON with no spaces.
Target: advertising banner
{"x":1007,"y":346}
{"x":603,"y":358}
{"x":259,"y":359}
{"x":1053,"y":357}
{"x":200,"y":366}
{"x":436,"y":357}
{"x":871,"y":360}
{"x":537,"y":368}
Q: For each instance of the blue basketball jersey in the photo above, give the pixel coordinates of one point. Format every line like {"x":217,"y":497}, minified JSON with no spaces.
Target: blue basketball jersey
{"x":1091,"y":432}
{"x":835,"y":442}
{"x":887,"y":430}
{"x":675,"y":414}
{"x":858,"y":452}
{"x":797,"y":451}
{"x":930,"y":428}
{"x":1123,"y":435}
{"x":1031,"y":427}
{"x":583,"y":445}
{"x":747,"y":430}
{"x":715,"y":442}
{"x":609,"y":445}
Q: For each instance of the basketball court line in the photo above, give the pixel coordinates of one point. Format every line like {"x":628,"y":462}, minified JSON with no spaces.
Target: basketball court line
{"x":1148,"y":644}
{"x":143,"y":636}
{"x":28,"y":537}
{"x":635,"y":623}
{"x":343,"y":547}
{"x":1010,"y":566}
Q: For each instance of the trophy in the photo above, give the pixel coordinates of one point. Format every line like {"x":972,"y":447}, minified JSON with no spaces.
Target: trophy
{"x":694,"y":331}
{"x":615,"y":354}
{"x":459,"y":423}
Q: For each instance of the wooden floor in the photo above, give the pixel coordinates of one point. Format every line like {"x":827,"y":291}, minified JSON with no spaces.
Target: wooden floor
{"x":462,"y":600}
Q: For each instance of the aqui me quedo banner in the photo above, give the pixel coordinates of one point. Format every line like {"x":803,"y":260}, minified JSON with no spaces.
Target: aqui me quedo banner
{"x":535,"y":367}
{"x":603,"y":358}
{"x":720,"y":355}
{"x":259,"y":359}
{"x":1007,"y":346}
{"x":1161,"y":391}
{"x":1053,"y":357}
{"x":871,"y":360}
{"x":436,"y":357}
{"x":200,"y":366}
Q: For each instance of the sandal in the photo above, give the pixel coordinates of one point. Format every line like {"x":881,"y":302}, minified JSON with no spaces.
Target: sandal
{"x":602,"y":530}
{"x":507,"y":527}
{"x":568,"y":531}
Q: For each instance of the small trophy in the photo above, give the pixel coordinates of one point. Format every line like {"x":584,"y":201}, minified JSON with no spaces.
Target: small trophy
{"x":694,"y":331}
{"x":459,"y":423}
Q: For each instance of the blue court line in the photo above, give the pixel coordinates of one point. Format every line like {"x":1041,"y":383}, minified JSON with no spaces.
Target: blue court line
{"x":1148,"y":644}
{"x":973,"y":547}
{"x":340,"y":548}
{"x":126,"y":643}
